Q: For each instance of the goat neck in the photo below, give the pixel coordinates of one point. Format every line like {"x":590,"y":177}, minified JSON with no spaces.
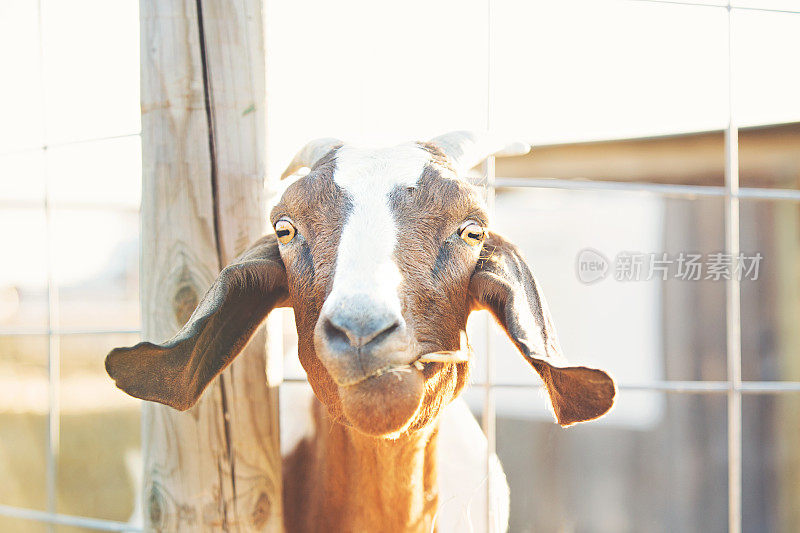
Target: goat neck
{"x":343,"y":480}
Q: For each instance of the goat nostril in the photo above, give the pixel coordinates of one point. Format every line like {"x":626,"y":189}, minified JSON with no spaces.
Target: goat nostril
{"x":383,"y":335}
{"x":335,"y":335}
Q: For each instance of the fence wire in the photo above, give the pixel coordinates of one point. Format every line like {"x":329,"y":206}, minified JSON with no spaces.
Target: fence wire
{"x":734,"y":387}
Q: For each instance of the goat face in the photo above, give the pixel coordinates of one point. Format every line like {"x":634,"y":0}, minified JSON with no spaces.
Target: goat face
{"x":382,"y":254}
{"x":381,"y":248}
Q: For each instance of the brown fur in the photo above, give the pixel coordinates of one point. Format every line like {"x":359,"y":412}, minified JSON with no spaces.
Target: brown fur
{"x":371,"y":464}
{"x":342,"y":480}
{"x":318,"y":208}
{"x":176,"y":373}
{"x":434,"y":298}
{"x":501,"y":280}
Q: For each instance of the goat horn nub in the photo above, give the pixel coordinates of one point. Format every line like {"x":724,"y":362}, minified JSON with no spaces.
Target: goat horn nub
{"x":310,"y":154}
{"x":465,"y":149}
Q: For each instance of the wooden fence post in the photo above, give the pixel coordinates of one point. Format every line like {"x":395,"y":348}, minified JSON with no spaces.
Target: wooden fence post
{"x":216,"y":466}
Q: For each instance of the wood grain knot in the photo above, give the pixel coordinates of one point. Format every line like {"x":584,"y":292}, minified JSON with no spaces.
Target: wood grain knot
{"x":155,"y":508}
{"x":261,"y":511}
{"x":184,"y":302}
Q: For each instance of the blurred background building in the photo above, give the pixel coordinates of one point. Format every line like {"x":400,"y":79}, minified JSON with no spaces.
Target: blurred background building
{"x":626,"y":102}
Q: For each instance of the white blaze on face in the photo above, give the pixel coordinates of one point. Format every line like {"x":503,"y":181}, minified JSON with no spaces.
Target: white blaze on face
{"x":364,"y":261}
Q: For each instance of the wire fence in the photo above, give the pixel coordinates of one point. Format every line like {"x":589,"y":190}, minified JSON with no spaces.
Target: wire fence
{"x":734,"y":387}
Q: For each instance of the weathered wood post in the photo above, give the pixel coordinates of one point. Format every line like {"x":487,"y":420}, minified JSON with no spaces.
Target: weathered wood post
{"x":217,"y":466}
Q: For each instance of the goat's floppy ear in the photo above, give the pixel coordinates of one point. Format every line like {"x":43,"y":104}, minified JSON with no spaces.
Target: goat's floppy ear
{"x":503,"y":284}
{"x":176,"y":373}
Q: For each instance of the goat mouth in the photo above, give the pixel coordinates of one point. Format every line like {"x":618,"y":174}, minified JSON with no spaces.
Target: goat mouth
{"x":396,"y":369}
{"x":424,"y":363}
{"x":387,"y":401}
{"x":384,"y":403}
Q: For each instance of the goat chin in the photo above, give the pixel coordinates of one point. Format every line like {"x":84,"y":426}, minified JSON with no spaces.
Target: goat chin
{"x":384,"y":405}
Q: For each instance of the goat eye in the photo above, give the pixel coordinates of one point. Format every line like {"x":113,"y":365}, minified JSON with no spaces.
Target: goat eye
{"x":285,"y":231}
{"x":472,"y":233}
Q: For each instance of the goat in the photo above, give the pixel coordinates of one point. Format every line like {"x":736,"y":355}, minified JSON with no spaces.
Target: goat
{"x":383,"y":254}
